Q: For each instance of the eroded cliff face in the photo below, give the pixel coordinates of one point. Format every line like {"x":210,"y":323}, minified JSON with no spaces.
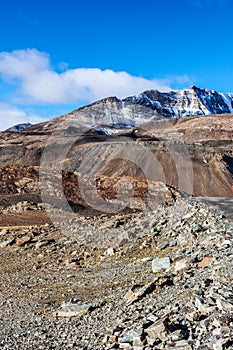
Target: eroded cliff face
{"x":193,"y":155}
{"x":194,"y":169}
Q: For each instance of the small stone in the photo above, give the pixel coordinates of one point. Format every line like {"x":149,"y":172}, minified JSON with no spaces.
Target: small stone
{"x":172,"y":243}
{"x":73,"y":310}
{"x":177,"y":335}
{"x":182,"y":345}
{"x":226,"y":243}
{"x":196,"y":228}
{"x":185,"y":239}
{"x":110,"y":251}
{"x":218,"y":345}
{"x":152,"y":318}
{"x":202,"y":308}
{"x":41,"y":244}
{"x":156,"y":329}
{"x":23,"y":241}
{"x":112,"y":339}
{"x":129,"y":336}
{"x":105,"y":339}
{"x":134,"y":295}
{"x":125,"y":346}
{"x":180,"y":265}
{"x":207,"y":260}
{"x":160,"y":264}
{"x":224,"y":305}
{"x":163,"y":245}
{"x":205,"y":323}
{"x":145,"y":259}
{"x":4,"y":231}
{"x":5,"y":244}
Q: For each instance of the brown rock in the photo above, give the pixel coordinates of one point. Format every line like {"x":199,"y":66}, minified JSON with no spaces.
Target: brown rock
{"x":112,"y":339}
{"x":155,"y":331}
{"x":207,"y":260}
{"x":23,"y":240}
{"x":134,"y":295}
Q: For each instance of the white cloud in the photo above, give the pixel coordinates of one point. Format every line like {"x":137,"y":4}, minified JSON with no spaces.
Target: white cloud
{"x":10,"y":116}
{"x":22,"y":63}
{"x":28,"y":78}
{"x":31,"y":73}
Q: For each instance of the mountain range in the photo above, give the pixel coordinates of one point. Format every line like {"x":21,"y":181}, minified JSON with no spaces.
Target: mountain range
{"x":149,"y":105}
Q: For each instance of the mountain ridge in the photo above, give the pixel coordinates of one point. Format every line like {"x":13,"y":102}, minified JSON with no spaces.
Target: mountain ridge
{"x":151,"y":105}
{"x":147,"y":106}
{"x":187,"y":102}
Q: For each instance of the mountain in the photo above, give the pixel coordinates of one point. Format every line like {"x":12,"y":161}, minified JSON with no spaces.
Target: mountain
{"x":109,"y":138}
{"x":153,"y":105}
{"x":188,"y":102}
{"x":19,"y":127}
{"x":113,"y":112}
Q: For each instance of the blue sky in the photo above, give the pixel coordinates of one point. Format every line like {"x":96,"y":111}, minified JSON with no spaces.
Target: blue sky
{"x":58,"y":55}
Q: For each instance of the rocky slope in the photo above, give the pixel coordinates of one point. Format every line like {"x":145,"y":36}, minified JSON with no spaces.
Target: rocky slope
{"x":167,"y":284}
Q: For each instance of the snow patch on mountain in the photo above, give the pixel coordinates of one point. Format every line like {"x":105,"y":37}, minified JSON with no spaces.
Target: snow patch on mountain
{"x":228,"y":98}
{"x":105,"y":131}
{"x":19,"y":127}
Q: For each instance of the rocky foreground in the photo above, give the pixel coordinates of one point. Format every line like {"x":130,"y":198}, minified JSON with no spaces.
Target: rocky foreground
{"x":164,"y":283}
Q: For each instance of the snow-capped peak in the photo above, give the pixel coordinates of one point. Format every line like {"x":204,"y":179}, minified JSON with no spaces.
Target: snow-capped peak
{"x":113,"y":113}
{"x":188,"y":102}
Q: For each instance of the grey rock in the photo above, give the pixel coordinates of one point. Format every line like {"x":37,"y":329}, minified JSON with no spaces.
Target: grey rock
{"x":125,"y":346}
{"x":224,"y":305}
{"x":73,"y":310}
{"x":155,"y":331}
{"x":196,"y":227}
{"x":134,"y":295}
{"x":129,"y":336}
{"x":5,"y":244}
{"x":110,"y":251}
{"x":181,"y":265}
{"x":160,"y":264}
